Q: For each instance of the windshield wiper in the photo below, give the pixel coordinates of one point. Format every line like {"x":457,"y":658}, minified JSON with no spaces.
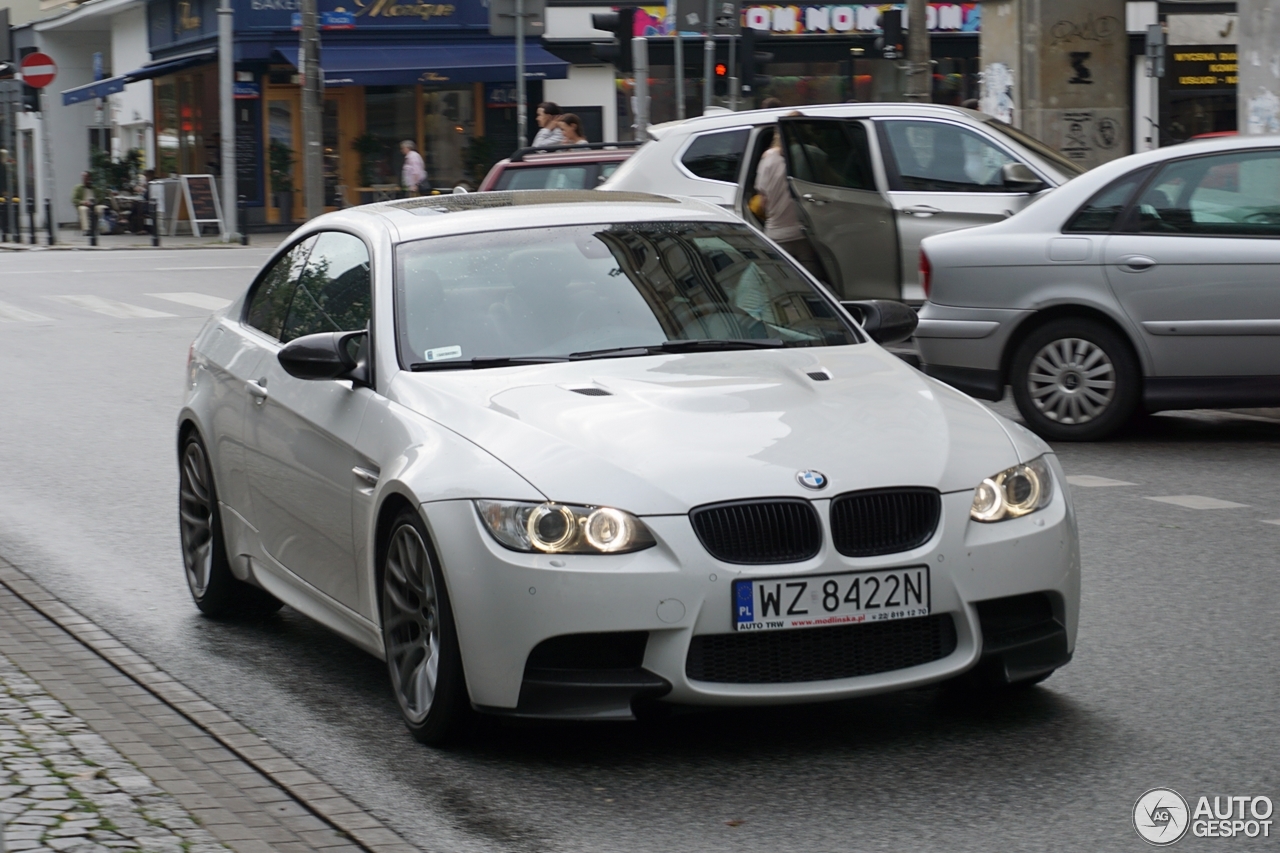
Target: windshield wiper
{"x":695,"y":345}
{"x":486,"y":361}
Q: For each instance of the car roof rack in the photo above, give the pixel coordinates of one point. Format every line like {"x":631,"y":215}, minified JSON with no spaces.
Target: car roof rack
{"x":590,"y":146}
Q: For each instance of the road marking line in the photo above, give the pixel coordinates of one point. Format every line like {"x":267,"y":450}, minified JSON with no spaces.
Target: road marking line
{"x":184,"y":269}
{"x":1276,"y":522}
{"x":1089,"y":481}
{"x":110,"y":307}
{"x":1197,"y":502}
{"x":197,"y":300}
{"x":14,"y":314}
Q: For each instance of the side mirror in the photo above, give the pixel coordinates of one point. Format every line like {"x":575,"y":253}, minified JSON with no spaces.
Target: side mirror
{"x":884,"y":320}
{"x":1018,"y":178}
{"x":327,"y":355}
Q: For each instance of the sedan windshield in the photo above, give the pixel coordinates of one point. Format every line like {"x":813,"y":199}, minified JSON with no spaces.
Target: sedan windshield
{"x":589,"y":291}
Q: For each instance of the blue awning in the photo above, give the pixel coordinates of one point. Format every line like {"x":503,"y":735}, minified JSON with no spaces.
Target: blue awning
{"x":430,"y":64}
{"x":96,"y":89}
{"x":161,"y":67}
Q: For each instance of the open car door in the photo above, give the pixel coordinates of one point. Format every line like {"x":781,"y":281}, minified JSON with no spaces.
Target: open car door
{"x":849,"y":221}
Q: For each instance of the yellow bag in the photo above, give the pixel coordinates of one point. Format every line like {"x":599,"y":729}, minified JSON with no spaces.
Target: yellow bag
{"x":757,"y":206}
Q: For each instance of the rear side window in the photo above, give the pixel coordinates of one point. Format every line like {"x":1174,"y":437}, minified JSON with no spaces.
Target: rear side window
{"x":834,"y":153}
{"x":716,"y":156}
{"x":333,"y":294}
{"x":1101,"y":212}
{"x":1226,"y":195}
{"x":269,"y":304}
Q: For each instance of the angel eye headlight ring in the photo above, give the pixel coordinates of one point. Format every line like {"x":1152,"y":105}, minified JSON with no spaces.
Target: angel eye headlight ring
{"x":1014,"y":492}
{"x":551,"y":527}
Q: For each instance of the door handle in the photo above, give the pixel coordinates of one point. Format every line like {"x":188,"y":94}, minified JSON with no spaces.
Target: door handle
{"x":922,"y":210}
{"x":365,"y":475}
{"x":812,"y":199}
{"x":257,"y":389}
{"x":1136,"y":263}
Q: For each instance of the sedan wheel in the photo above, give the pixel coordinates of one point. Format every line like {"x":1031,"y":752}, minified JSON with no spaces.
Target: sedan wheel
{"x":419,"y":637}
{"x":1075,"y":379}
{"x":215,"y":590}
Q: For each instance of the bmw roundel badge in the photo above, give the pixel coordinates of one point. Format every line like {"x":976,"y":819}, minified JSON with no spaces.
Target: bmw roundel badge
{"x":812,"y":479}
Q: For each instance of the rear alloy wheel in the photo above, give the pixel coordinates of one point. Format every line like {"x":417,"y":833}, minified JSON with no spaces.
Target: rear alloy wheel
{"x":419,"y":637}
{"x":215,"y":590}
{"x":1075,"y":380}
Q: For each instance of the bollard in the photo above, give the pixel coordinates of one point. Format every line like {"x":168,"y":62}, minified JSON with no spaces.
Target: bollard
{"x":31,"y":221}
{"x":154,"y":208}
{"x":244,"y":224}
{"x":49,"y":223}
{"x":93,"y":224}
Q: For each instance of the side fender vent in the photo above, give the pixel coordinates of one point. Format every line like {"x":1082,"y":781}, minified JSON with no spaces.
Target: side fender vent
{"x":592,"y":392}
{"x":819,"y":376}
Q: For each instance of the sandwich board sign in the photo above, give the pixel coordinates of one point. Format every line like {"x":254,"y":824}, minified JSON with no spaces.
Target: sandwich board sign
{"x":201,"y":195}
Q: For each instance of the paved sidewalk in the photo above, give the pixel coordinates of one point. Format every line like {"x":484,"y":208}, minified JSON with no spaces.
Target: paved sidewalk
{"x":72,"y":238}
{"x":101,"y":751}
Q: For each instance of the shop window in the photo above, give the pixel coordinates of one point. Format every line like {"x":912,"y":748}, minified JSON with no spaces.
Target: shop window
{"x":716,"y":156}
{"x":390,"y":117}
{"x":1232,"y":195}
{"x":936,"y":156}
{"x":448,"y":128}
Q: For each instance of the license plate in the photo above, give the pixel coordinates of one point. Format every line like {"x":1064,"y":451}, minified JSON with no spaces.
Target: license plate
{"x":848,"y":598}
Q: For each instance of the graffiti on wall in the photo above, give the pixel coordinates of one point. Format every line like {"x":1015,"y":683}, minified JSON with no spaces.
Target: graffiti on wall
{"x":997,"y":91}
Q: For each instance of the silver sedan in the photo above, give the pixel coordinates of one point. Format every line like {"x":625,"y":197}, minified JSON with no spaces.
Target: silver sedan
{"x":1149,"y":283}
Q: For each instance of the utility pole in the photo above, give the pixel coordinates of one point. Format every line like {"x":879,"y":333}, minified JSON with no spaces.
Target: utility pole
{"x":522,"y":107}
{"x":640,"y":64}
{"x":679,"y":73}
{"x":227,"y":120}
{"x":708,"y":55}
{"x":919,"y":66}
{"x":312,"y":112}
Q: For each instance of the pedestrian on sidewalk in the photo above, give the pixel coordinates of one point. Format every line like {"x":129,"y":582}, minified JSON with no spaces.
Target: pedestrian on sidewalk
{"x":83,"y":197}
{"x":413,"y":174}
{"x":548,"y":116}
{"x":571,"y":128}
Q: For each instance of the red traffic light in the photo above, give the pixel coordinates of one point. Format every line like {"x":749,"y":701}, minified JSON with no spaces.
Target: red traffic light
{"x":721,"y":69}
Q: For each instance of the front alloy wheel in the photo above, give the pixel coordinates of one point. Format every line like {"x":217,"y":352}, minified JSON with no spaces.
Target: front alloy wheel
{"x":1075,"y":379}
{"x":418,"y":634}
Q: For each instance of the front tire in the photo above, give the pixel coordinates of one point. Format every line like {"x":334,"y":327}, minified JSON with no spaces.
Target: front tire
{"x":1075,"y":379}
{"x":418,"y":634}
{"x":215,"y":590}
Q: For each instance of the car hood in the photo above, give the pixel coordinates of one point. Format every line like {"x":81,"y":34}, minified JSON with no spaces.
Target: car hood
{"x":677,"y":431}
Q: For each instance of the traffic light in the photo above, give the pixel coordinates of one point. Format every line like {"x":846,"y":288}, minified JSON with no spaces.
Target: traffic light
{"x":753,"y":62}
{"x":622,"y":24}
{"x":891,"y":42}
{"x":721,"y":80}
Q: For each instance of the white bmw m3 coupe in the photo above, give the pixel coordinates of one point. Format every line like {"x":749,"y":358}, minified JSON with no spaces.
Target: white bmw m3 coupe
{"x":570,"y":454}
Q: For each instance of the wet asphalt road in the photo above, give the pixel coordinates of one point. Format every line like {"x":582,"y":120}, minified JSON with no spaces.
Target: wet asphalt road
{"x":1174,"y":681}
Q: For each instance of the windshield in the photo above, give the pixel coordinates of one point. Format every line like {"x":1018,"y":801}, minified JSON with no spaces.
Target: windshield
{"x":573,"y":290}
{"x":1070,"y":168}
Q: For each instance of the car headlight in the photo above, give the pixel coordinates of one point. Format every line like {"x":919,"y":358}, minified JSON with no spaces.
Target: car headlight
{"x":1014,"y":492}
{"x":554,"y":528}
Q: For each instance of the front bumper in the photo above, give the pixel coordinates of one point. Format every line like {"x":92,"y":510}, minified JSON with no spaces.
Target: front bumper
{"x":506,"y":603}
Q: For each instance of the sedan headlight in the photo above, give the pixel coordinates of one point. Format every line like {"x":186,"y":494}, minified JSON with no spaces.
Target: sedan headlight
{"x":553,"y":528}
{"x":1014,"y":492}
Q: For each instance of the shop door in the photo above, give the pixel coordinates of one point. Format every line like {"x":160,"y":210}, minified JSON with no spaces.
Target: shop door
{"x":283,"y":136}
{"x":338,"y":129}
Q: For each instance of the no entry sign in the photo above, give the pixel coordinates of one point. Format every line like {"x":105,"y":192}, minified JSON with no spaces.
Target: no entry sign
{"x":38,"y":70}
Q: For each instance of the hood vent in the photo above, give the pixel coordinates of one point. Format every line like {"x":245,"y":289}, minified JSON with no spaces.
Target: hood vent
{"x":819,"y":375}
{"x":592,"y":392}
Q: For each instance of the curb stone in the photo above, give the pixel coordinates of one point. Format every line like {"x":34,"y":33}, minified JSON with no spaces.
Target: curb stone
{"x":317,"y":796}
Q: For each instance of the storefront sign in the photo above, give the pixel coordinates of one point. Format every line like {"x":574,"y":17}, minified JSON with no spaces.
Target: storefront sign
{"x":245,"y":91}
{"x":499,"y":95}
{"x":1208,"y":66}
{"x":175,"y":22}
{"x":862,"y":18}
{"x":362,"y":15}
{"x":329,"y":21}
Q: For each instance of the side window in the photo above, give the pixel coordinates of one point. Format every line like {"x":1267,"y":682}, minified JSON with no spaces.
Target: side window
{"x":334,"y":292}
{"x":1101,"y":212}
{"x":270,"y":302}
{"x":936,"y":156}
{"x":716,"y":156}
{"x":834,"y":153}
{"x":1229,"y":195}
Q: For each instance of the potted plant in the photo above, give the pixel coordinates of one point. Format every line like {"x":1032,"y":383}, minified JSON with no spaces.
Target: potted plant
{"x":280,"y":161}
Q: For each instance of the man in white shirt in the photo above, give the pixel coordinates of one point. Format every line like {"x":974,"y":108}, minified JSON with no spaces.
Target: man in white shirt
{"x":782,"y":222}
{"x":413,"y":174}
{"x":548,"y":118}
